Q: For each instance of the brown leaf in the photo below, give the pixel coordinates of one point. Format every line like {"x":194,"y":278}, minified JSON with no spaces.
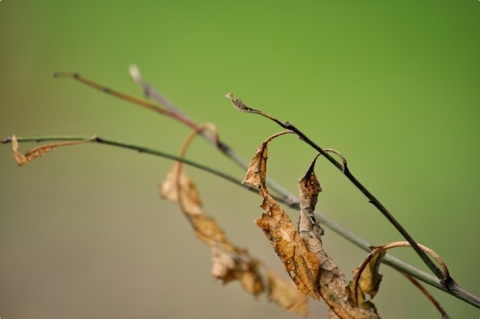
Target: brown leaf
{"x":309,"y":188}
{"x":176,"y":180}
{"x":237,"y":265}
{"x":286,"y":295}
{"x":207,"y":229}
{"x":310,"y":231}
{"x":334,"y":291}
{"x":300,"y":264}
{"x":370,"y":279}
{"x":331,"y":281}
{"x":30,"y":155}
{"x":367,"y":279}
{"x":229,"y":262}
{"x":257,"y":169}
{"x":223,"y":265}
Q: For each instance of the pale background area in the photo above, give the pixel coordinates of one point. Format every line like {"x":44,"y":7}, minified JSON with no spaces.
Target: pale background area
{"x":394,"y":86}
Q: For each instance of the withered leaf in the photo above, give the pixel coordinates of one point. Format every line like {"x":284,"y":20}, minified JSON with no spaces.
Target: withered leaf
{"x":309,"y":229}
{"x":331,"y":281}
{"x":237,"y":265}
{"x":176,"y":181}
{"x":207,"y":229}
{"x":229,"y":262}
{"x":39,"y":151}
{"x":309,"y":188}
{"x":335,"y":292}
{"x":300,"y":264}
{"x":257,"y":169}
{"x":367,"y":279}
{"x":370,"y":278}
{"x":286,"y":295}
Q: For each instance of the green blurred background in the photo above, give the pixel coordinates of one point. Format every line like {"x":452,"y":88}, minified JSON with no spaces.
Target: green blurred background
{"x":395,"y":86}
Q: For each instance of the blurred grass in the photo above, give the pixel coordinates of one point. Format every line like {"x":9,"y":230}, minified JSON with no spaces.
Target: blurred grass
{"x":393,"y":86}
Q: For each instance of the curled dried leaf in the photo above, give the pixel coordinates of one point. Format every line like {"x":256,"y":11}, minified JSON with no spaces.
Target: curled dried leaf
{"x":257,"y":169}
{"x":309,"y":188}
{"x":39,"y":151}
{"x":331,"y":281}
{"x":175,"y":182}
{"x":310,"y":231}
{"x":370,"y":279}
{"x":367,"y":280}
{"x":229,"y":263}
{"x":234,"y":264}
{"x":301,"y":265}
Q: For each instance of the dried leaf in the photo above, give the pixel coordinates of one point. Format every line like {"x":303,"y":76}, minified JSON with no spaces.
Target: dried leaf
{"x":309,"y":229}
{"x":370,"y":278}
{"x":223,"y":265}
{"x":367,"y":279}
{"x":332,"y":285}
{"x":331,"y":281}
{"x":300,"y":264}
{"x":286,"y":295}
{"x":257,"y":169}
{"x":237,"y":265}
{"x":229,"y":262}
{"x":176,"y":180}
{"x":309,"y":188}
{"x":207,"y":229}
{"x":39,"y":151}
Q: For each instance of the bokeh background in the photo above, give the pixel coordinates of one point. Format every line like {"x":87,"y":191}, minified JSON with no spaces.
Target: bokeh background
{"x":395,"y":86}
